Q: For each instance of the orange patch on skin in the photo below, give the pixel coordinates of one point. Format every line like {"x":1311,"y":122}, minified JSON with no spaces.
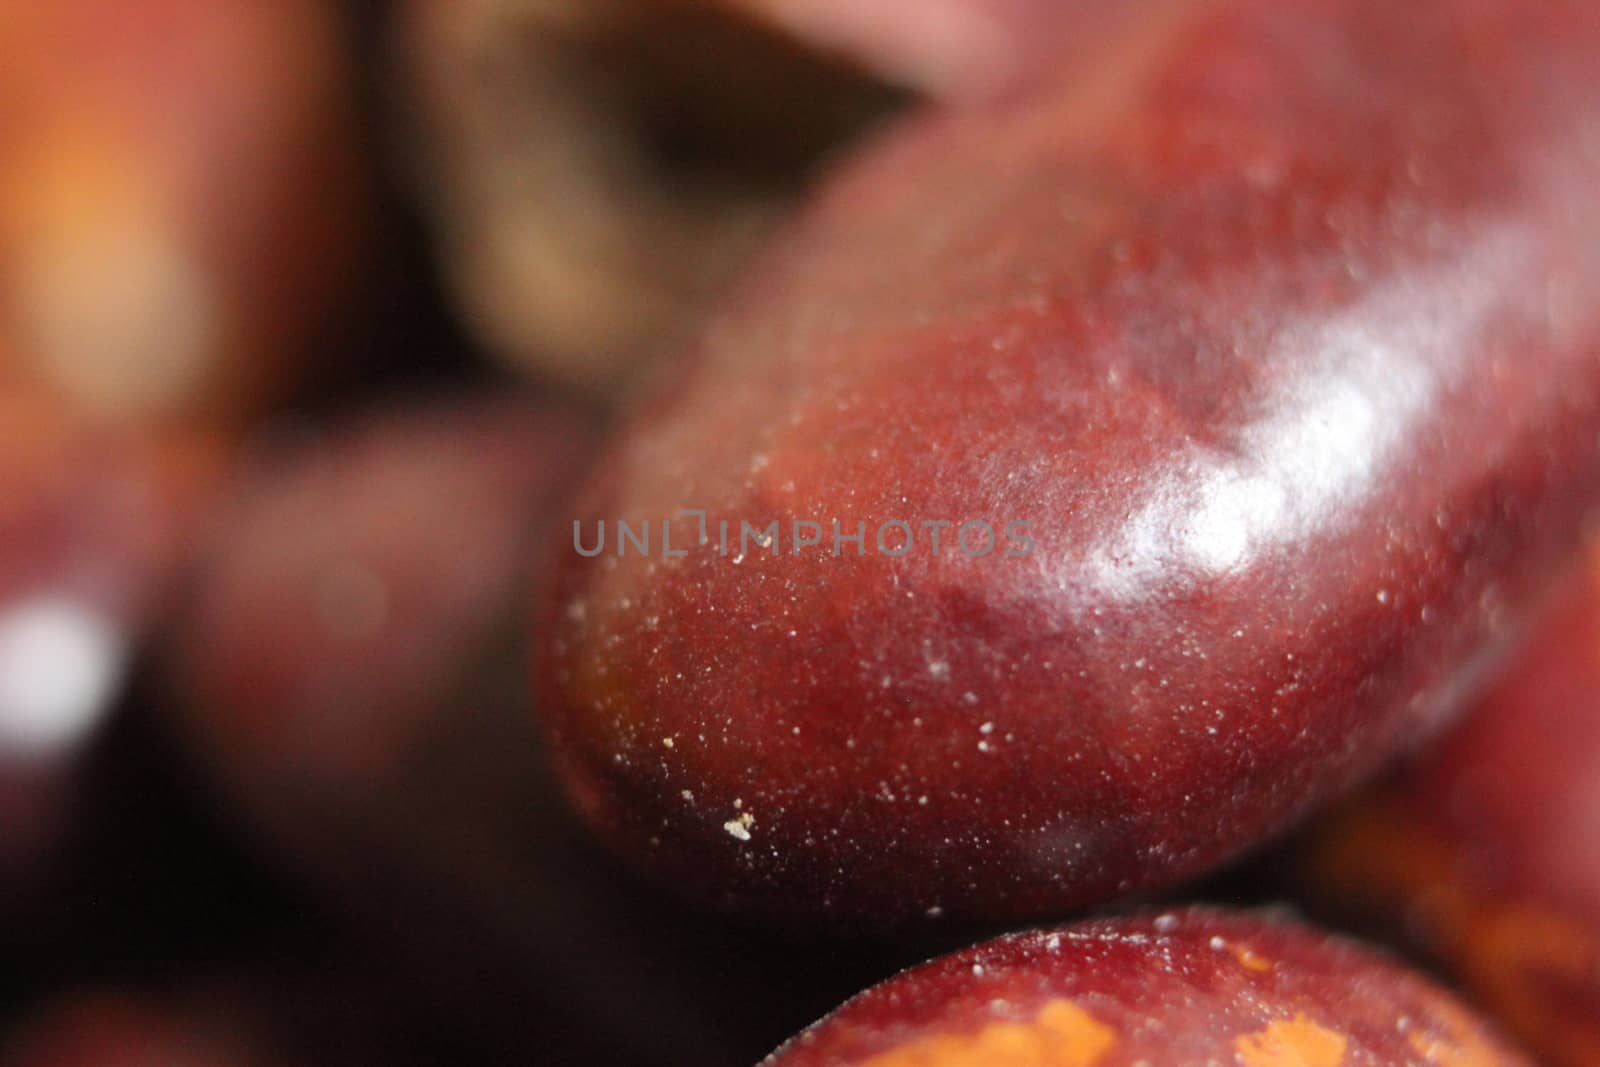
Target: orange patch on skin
{"x":1464,"y":1046}
{"x":1297,"y":1042}
{"x":1249,"y":960}
{"x":1505,"y":957}
{"x":1382,"y":856}
{"x":1061,"y":1035}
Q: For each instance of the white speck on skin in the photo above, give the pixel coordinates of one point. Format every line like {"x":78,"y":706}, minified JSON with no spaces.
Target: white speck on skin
{"x":739,"y":828}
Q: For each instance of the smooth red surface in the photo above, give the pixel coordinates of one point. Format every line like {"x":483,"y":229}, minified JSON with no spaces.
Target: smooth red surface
{"x":1487,"y":850}
{"x":1191,"y":987}
{"x":1280,"y":330}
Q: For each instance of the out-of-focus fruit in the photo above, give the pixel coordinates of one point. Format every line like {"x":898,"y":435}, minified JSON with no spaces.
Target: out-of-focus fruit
{"x":352,"y":594}
{"x":92,"y":527}
{"x":114,"y":1029}
{"x":176,"y":204}
{"x":1191,"y":987}
{"x":596,"y":169}
{"x":1486,"y":852}
{"x":1265,"y":365}
{"x":351,"y":666}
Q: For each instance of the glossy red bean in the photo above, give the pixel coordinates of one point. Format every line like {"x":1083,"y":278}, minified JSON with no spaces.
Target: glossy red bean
{"x":1270,"y":354}
{"x":1190,"y":987}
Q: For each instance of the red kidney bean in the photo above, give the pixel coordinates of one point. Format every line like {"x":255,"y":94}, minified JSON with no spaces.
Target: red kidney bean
{"x":1278,"y":335}
{"x":1189,"y":987}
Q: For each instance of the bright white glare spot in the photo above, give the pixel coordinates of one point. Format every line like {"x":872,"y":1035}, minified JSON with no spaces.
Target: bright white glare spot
{"x":1325,"y":433}
{"x":60,"y":663}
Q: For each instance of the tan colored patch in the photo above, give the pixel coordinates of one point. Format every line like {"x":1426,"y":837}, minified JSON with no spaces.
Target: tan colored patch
{"x":1061,"y":1035}
{"x":1297,"y":1042}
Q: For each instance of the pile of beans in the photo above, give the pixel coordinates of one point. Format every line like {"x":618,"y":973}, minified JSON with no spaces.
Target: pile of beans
{"x":594,"y":531}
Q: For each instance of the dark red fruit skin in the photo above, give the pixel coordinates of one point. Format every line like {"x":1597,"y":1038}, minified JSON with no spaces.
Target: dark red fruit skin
{"x":335,"y":671}
{"x":350,"y":598}
{"x":1191,"y":987}
{"x":1486,"y":852}
{"x":1280,"y":333}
